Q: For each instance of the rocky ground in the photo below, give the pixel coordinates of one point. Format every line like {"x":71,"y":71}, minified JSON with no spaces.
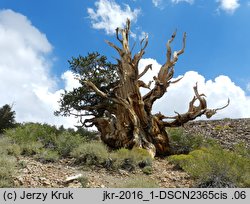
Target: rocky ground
{"x":35,"y":174}
{"x":227,"y":131}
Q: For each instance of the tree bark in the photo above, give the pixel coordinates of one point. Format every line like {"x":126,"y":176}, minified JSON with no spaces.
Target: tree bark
{"x":130,"y":123}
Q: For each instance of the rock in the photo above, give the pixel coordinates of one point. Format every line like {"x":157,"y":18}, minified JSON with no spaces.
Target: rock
{"x":72,"y":178}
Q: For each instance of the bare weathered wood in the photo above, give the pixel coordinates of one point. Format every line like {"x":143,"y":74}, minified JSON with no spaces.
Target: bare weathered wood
{"x":129,"y":122}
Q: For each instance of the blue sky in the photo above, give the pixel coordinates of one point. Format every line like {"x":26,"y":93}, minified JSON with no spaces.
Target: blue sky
{"x":218,"y":45}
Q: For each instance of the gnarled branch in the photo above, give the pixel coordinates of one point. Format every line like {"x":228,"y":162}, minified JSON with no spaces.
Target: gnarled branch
{"x":94,"y":88}
{"x":162,"y":81}
{"x":145,"y":70}
{"x":193,"y":111}
{"x":210,"y":112}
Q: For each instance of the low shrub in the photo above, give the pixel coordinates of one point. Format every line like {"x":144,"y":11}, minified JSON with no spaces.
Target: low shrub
{"x":242,"y":149}
{"x":66,"y":142}
{"x":33,"y":132}
{"x":7,"y":169}
{"x":92,"y":153}
{"x":147,"y":170}
{"x":46,"y":155}
{"x":130,"y":159}
{"x":215,"y":167}
{"x":14,"y":150}
{"x":84,"y":181}
{"x":32,"y":137}
{"x":183,"y":143}
{"x":8,"y":147}
{"x":31,"y":148}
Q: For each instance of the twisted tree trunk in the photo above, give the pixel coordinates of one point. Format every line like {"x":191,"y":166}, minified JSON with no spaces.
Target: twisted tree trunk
{"x":130,"y":122}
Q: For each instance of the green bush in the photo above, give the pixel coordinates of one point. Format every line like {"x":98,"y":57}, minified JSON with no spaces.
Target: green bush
{"x":137,"y":182}
{"x":66,"y":142}
{"x":31,"y":148}
{"x":4,"y":143}
{"x":47,"y":155}
{"x":147,"y":170}
{"x":92,"y":153}
{"x":83,"y":181}
{"x":180,"y":160}
{"x":32,"y":137}
{"x":183,"y":143}
{"x":130,"y":159}
{"x":33,"y":132}
{"x":215,"y":167}
{"x":8,"y":147}
{"x":242,"y":149}
{"x":14,"y":150}
{"x":7,"y":169}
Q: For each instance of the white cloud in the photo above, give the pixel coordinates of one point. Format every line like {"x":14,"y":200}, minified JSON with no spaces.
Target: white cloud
{"x":109,"y":15}
{"x":180,"y":1}
{"x":24,"y":71}
{"x":157,"y":3}
{"x":217,"y":91}
{"x":70,"y":81}
{"x":228,"y":5}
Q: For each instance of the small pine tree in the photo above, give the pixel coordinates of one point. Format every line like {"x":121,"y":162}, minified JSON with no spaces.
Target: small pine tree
{"x":7,"y":117}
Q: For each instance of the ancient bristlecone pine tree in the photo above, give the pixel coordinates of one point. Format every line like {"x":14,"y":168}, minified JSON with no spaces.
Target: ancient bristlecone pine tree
{"x":122,"y":115}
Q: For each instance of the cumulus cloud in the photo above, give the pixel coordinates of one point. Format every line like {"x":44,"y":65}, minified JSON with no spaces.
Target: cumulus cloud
{"x":217,"y":91}
{"x":228,"y":5}
{"x":109,"y":15}
{"x":25,"y":78}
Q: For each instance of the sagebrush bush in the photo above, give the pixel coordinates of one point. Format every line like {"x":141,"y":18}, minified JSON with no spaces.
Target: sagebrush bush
{"x":33,"y":132}
{"x":8,"y":147}
{"x":31,"y":148}
{"x":14,"y":150}
{"x":130,"y":159}
{"x":183,"y":143}
{"x":242,"y":149}
{"x":147,"y":170}
{"x":65,"y":143}
{"x":47,"y":155}
{"x":215,"y":167}
{"x":91,"y":153}
{"x":4,"y":143}
{"x":84,"y":181}
{"x":33,"y":137}
{"x":7,"y":169}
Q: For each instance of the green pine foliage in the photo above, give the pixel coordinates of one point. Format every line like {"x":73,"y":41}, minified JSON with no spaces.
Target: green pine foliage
{"x":7,"y":118}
